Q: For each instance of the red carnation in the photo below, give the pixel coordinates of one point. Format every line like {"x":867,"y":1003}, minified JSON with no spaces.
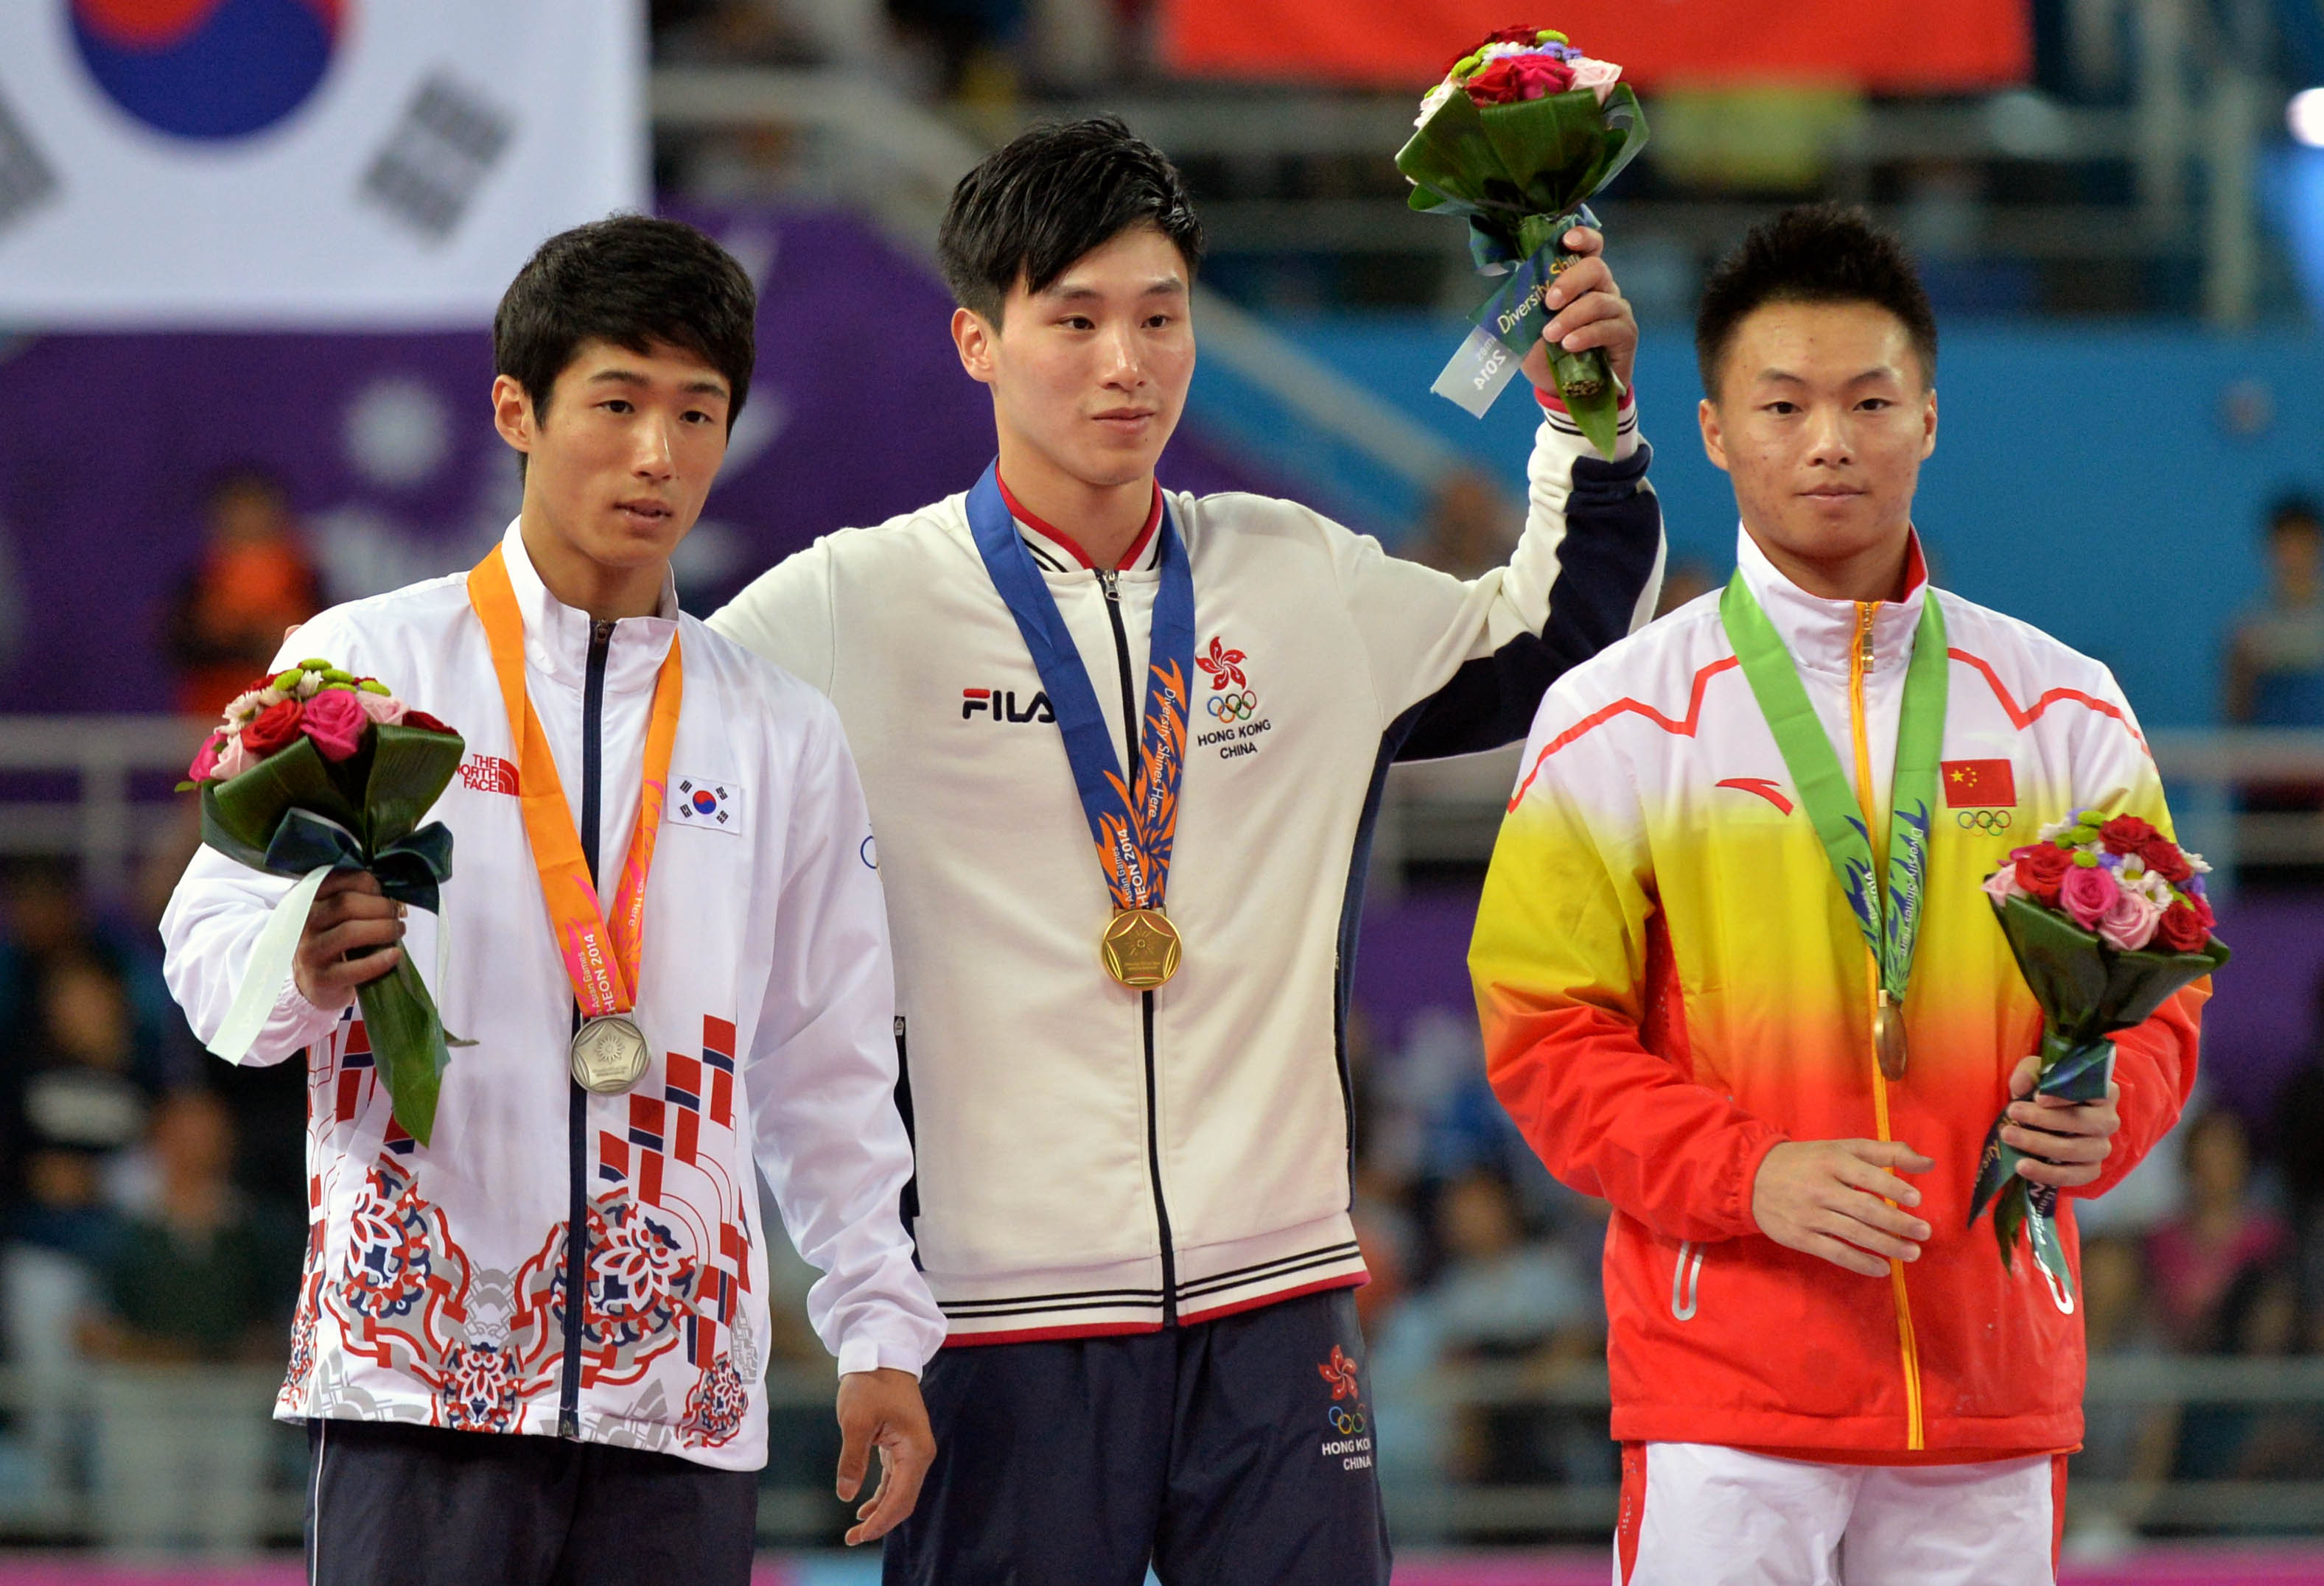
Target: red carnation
{"x":2182,"y":929}
{"x":2126,"y":834}
{"x":423,"y":720}
{"x":1521,"y":35}
{"x":2162,"y":856}
{"x":1516,"y":77}
{"x":2042,"y":869}
{"x":274,"y":728}
{"x":2202,"y":908}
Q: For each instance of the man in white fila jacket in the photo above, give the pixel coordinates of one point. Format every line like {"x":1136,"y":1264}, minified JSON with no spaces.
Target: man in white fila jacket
{"x":436,"y":1307}
{"x":1122,"y":749}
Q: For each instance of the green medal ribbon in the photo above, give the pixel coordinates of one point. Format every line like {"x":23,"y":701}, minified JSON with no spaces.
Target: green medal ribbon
{"x":1889,"y":915}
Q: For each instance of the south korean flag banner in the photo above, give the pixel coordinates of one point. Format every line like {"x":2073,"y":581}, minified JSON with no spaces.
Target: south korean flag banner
{"x":304,"y":164}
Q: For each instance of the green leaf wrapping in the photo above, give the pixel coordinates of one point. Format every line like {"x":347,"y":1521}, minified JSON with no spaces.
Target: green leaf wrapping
{"x":410,"y":769}
{"x":378,"y":796}
{"x":407,"y":1044}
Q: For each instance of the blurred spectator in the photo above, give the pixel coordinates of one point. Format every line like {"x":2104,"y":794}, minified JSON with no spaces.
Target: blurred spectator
{"x":1470,"y":526}
{"x":253,"y":580}
{"x":2194,"y":1261}
{"x":76,"y":1107}
{"x":206,"y":1274}
{"x":202,"y":1280}
{"x":726,"y":33}
{"x":2275,"y":654}
{"x":1688,"y":578}
{"x":2121,"y":1442}
{"x":1502,"y":1297}
{"x":966,"y":43}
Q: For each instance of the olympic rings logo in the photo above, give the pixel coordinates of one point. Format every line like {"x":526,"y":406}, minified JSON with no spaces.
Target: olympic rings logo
{"x":1984,"y":820}
{"x":1232,"y":708}
{"x":1347,"y":1423}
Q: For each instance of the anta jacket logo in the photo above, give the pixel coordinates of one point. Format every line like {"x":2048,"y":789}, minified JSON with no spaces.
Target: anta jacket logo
{"x":1001,"y":705}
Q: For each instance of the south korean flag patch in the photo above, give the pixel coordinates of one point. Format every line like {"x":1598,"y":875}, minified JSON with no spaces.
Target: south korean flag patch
{"x":708,"y":805}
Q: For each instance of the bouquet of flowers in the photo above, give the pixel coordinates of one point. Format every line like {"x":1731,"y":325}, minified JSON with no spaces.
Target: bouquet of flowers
{"x":1519,"y":134}
{"x":315,"y":771}
{"x":2107,"y":920}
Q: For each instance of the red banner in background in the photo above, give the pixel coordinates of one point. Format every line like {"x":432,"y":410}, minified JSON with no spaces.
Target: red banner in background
{"x":1894,"y":46}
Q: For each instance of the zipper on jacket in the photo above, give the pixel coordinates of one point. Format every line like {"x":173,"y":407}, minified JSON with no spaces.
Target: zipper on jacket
{"x":1110,"y":581}
{"x":576,"y":1102}
{"x":1859,"y":662}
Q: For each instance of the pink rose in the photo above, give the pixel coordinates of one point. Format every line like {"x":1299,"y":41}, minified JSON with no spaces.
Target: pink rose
{"x":385,"y":709}
{"x":2001,"y":886}
{"x":1598,"y":76}
{"x":233,"y":759}
{"x":2129,"y":921}
{"x":2087,"y":891}
{"x":206,"y":763}
{"x":335,"y":722}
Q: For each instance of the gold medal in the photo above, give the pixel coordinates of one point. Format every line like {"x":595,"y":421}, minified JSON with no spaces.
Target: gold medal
{"x":1888,"y":1036}
{"x":609,"y":1056}
{"x":1141,"y":949}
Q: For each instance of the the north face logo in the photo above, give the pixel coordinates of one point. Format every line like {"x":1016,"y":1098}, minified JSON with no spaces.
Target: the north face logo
{"x":488,"y":773}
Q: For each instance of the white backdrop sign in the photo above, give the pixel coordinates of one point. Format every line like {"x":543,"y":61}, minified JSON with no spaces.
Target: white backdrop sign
{"x":348,"y":163}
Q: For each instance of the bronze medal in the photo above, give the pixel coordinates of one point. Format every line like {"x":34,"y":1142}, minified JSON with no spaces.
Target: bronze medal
{"x":1888,"y":1036}
{"x":1141,"y":949}
{"x":609,"y":1056}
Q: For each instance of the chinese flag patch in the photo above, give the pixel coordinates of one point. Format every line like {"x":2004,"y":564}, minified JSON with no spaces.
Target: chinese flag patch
{"x":1978,"y":784}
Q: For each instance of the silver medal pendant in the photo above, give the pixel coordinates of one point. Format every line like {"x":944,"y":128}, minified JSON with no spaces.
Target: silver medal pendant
{"x":609,"y":1055}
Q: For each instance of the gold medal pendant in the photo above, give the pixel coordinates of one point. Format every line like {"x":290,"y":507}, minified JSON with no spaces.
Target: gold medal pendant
{"x":1141,"y":949}
{"x":609,"y":1056}
{"x":1888,"y":1036}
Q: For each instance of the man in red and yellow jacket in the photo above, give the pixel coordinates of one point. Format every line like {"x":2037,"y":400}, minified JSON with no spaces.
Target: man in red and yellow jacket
{"x":1820,"y":1371}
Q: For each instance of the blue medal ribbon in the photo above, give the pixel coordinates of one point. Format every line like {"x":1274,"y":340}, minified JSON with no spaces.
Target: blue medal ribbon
{"x":1132,"y":818}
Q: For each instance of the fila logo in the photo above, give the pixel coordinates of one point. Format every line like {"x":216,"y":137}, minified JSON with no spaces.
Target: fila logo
{"x":488,"y":773}
{"x":1002,"y":706}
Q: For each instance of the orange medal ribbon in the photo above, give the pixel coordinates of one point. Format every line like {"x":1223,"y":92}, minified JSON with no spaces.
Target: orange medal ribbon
{"x":600,"y":960}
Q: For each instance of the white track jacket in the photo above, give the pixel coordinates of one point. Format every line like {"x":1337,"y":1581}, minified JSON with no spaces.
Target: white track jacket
{"x":1094,"y":1159}
{"x":435,"y":1280}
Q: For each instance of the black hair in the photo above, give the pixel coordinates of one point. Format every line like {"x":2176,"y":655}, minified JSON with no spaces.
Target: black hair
{"x":1813,"y":254}
{"x":632,"y":280}
{"x":1047,"y":199}
{"x":2292,"y":509}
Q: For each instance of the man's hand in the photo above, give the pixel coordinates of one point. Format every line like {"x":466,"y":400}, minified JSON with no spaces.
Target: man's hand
{"x":2073,"y":1138}
{"x":1830,"y":1198}
{"x":1587,"y":312}
{"x":350,"y":913}
{"x":881,"y":1410}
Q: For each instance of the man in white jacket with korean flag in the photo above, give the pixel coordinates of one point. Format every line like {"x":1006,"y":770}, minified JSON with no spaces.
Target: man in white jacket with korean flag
{"x":749,"y":1030}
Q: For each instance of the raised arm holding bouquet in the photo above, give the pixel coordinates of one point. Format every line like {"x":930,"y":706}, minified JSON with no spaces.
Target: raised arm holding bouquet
{"x":1520,"y":134}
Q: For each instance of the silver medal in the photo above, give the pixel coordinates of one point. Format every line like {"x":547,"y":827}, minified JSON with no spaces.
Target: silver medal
{"x":609,"y":1056}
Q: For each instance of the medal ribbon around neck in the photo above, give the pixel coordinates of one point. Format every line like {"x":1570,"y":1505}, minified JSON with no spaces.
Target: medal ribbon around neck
{"x":600,"y":960}
{"x":1135,"y":821}
{"x":1889,"y":915}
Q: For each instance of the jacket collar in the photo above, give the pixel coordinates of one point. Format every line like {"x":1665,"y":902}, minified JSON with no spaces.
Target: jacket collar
{"x":1820,"y":634}
{"x":556,"y":635}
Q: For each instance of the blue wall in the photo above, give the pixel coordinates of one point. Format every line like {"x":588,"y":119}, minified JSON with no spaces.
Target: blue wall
{"x":2089,"y":481}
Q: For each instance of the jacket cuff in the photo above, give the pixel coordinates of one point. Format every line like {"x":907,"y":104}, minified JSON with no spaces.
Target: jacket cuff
{"x":1746,"y":1180}
{"x":876,"y":1355}
{"x":1558,"y":428}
